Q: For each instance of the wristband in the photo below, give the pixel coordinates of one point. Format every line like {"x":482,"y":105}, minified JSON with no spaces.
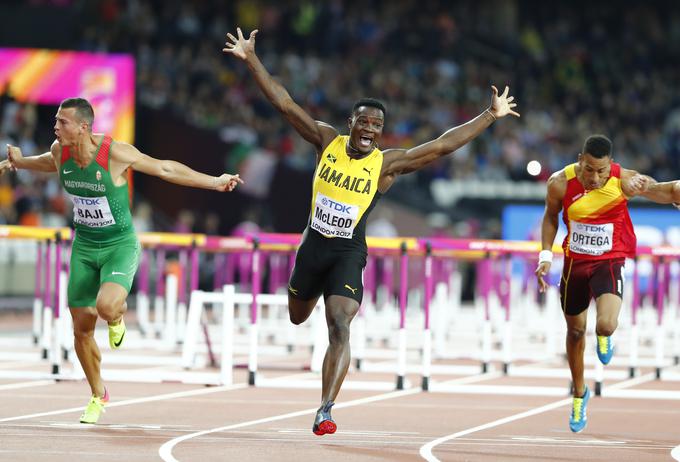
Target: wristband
{"x":545,"y":256}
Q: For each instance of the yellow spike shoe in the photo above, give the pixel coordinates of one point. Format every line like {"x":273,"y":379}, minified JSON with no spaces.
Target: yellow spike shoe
{"x":94,"y":408}
{"x":116,"y":334}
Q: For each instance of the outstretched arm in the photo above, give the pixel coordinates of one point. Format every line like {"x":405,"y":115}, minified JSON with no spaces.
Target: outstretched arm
{"x":41,"y":163}
{"x":399,"y":162}
{"x":317,"y":133}
{"x":637,"y":184}
{"x":169,"y":170}
{"x":667,"y":192}
{"x":549,"y":226}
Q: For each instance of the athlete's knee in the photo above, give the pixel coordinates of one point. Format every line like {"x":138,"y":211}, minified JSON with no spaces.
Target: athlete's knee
{"x":575,"y":334}
{"x":82,"y":332}
{"x":298,"y":315}
{"x":110,"y":309}
{"x":296,"y":318}
{"x":606,"y":327}
{"x":338,"y":330}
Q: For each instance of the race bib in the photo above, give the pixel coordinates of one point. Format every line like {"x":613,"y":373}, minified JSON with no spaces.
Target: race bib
{"x":334,"y":219}
{"x":92,"y":211}
{"x":590,"y":239}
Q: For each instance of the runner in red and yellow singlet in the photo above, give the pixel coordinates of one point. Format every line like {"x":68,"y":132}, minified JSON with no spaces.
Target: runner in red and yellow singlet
{"x":593,"y":195}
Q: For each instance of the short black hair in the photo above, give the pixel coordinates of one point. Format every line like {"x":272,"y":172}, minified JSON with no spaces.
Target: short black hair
{"x":83,"y":108}
{"x":369,"y":102}
{"x":598,"y":146}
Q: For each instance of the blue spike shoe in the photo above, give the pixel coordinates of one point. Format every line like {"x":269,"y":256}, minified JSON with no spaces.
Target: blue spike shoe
{"x":605,"y":349}
{"x":579,"y":418}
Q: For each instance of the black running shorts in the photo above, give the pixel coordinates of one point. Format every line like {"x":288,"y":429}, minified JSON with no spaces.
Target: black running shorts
{"x":328,"y":266}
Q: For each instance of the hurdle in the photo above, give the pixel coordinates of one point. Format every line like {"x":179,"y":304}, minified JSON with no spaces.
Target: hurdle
{"x":37,"y":299}
{"x":229,"y":298}
{"x":403,"y":294}
{"x":142,"y":303}
{"x":49,"y":292}
{"x":496,"y":294}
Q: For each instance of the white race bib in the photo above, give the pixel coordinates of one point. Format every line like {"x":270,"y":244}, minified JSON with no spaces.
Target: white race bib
{"x":590,"y":239}
{"x":92,"y":211}
{"x":334,"y":219}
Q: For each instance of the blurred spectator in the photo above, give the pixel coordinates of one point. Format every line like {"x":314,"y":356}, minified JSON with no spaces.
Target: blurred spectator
{"x":566,"y":69}
{"x":211,"y":224}
{"x":141,"y":217}
{"x":380,"y":223}
{"x":185,"y":222}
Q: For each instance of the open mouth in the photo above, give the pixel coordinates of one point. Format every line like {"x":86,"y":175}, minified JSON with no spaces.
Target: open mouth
{"x":365,"y":141}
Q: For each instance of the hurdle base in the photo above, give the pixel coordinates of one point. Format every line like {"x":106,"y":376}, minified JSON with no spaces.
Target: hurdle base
{"x":658,"y":373}
{"x":44,"y":354}
{"x":676,"y":360}
{"x":506,"y":367}
{"x":631,"y":372}
{"x":485,"y":367}
{"x":358,"y":364}
{"x":55,"y":369}
{"x":251,"y":378}
{"x":400,"y":382}
{"x":425,"y":384}
{"x":598,"y":388}
{"x":36,"y":340}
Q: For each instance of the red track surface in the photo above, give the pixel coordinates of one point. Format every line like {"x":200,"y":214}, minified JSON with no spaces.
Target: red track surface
{"x":393,"y":428}
{"x":39,"y":421}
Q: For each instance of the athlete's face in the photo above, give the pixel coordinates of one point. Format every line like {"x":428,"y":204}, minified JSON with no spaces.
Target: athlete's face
{"x":68,"y":127}
{"x":594,"y":171}
{"x":365,"y":128}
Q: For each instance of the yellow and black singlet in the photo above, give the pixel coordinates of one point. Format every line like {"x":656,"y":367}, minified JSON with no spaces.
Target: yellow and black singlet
{"x":344,"y":192}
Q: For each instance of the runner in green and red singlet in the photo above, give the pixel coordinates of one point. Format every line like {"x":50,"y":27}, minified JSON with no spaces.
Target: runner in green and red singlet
{"x":92,"y":168}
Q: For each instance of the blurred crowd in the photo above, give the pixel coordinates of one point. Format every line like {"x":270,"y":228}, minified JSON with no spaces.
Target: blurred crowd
{"x":611,"y":69}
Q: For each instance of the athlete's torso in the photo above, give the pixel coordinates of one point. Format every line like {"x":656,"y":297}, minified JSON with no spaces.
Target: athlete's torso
{"x":101,"y":210}
{"x":344,"y":192}
{"x":598,"y":223}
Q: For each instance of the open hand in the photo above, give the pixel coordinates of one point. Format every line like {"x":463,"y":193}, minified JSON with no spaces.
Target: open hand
{"x":14,"y":156}
{"x":5,"y":166}
{"x":542,"y":270}
{"x":226,"y":182}
{"x":240,"y":47}
{"x":501,"y":105}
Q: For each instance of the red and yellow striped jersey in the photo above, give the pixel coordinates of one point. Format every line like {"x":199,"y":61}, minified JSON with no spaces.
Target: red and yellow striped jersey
{"x":598,"y":223}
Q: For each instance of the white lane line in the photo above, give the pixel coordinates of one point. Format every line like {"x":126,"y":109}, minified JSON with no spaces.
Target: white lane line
{"x":165,"y":451}
{"x":426,"y":450}
{"x":127,"y":402}
{"x":630,"y":382}
{"x":32,"y":383}
{"x":675,"y":453}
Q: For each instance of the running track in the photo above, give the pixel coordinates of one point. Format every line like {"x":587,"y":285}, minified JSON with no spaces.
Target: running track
{"x":177,"y":422}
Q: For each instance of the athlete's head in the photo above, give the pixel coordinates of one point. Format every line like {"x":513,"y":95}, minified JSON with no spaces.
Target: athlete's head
{"x":595,"y":161}
{"x":366,"y":125}
{"x":73,"y":120}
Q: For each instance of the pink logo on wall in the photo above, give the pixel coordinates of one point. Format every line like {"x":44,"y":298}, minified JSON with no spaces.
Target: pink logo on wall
{"x":48,"y":77}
